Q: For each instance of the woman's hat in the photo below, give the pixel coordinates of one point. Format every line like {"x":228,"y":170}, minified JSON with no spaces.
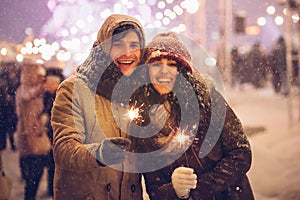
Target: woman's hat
{"x":168,"y":45}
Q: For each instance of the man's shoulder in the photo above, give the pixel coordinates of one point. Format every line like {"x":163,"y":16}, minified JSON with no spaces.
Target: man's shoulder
{"x":71,"y":81}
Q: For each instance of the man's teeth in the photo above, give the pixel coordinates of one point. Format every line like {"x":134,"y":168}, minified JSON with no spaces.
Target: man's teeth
{"x":125,"y":62}
{"x":164,"y":80}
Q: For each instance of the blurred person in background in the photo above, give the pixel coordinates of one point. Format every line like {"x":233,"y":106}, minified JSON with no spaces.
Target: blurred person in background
{"x":9,"y":82}
{"x":258,"y":65}
{"x":32,"y":141}
{"x":53,"y":78}
{"x":236,"y":62}
{"x":279,"y":67}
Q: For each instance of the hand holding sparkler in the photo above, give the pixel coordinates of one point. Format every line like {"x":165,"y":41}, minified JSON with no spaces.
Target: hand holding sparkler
{"x":183,"y":180}
{"x":113,"y":150}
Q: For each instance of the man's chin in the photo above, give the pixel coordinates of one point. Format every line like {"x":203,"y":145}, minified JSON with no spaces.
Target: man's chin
{"x":127,"y":71}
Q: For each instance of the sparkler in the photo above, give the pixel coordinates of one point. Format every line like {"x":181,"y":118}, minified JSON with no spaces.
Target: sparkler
{"x":134,"y":113}
{"x":183,"y":139}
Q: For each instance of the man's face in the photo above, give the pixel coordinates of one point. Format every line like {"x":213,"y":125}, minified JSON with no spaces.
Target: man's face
{"x":126,"y":52}
{"x":163,"y":75}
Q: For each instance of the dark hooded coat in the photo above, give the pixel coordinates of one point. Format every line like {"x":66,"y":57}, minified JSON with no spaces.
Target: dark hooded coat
{"x":218,"y":151}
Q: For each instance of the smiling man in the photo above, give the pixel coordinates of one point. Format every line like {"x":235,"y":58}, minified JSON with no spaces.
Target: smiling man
{"x":126,"y":51}
{"x":86,"y":135}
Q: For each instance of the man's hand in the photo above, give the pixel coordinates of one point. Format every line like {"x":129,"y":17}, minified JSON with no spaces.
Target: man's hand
{"x":183,"y":180}
{"x":113,"y":150}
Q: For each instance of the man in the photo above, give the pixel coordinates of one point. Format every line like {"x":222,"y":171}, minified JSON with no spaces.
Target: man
{"x":87,"y":141}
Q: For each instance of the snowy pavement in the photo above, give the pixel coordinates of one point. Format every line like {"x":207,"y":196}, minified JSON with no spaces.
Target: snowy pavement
{"x":274,"y":138}
{"x":274,"y":173}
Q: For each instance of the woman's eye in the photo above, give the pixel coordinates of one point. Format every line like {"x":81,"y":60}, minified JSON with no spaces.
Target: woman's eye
{"x":156,"y":64}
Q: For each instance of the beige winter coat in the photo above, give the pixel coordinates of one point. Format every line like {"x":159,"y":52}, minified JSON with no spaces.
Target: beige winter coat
{"x":81,"y":119}
{"x":79,"y":126}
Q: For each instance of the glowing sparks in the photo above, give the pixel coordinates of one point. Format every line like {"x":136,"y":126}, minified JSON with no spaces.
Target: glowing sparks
{"x":133,"y":113}
{"x":184,"y":137}
{"x":181,"y":138}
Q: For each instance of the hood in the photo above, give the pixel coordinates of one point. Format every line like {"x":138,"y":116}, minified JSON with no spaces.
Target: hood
{"x":99,"y":61}
{"x":110,"y":24}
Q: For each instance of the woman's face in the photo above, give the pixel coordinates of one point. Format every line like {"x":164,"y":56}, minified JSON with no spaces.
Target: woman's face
{"x":126,"y":52}
{"x":163,"y":75}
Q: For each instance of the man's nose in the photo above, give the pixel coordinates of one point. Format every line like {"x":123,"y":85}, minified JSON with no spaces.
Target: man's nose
{"x":127,"y":50}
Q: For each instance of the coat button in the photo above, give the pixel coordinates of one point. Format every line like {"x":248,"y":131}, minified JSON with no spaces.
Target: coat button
{"x":108,"y":187}
{"x":133,"y":188}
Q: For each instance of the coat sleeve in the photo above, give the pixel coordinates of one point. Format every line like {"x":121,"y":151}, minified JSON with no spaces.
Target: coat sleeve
{"x":68,"y":124}
{"x":159,"y":185}
{"x":235,"y":158}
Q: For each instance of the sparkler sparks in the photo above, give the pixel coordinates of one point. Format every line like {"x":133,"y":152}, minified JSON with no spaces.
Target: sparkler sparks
{"x":184,"y":137}
{"x":134,"y":113}
{"x":181,"y":138}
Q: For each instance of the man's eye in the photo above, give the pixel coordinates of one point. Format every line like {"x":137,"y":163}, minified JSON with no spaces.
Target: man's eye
{"x":116,"y":44}
{"x":135,"y":46}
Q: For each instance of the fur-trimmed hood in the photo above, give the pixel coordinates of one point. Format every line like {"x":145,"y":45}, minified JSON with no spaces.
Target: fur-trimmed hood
{"x":99,"y":61}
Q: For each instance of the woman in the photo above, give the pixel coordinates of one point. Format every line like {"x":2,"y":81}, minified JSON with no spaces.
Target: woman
{"x":30,"y":130}
{"x":85,"y":131}
{"x":181,"y":169}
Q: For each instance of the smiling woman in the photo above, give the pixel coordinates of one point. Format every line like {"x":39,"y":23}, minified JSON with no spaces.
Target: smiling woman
{"x":163,"y":74}
{"x":184,"y":119}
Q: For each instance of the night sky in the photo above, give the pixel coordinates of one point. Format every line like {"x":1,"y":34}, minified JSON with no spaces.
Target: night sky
{"x":17,"y":15}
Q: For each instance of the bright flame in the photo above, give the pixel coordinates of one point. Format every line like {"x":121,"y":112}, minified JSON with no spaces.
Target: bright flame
{"x":133,"y":113}
{"x":181,"y":138}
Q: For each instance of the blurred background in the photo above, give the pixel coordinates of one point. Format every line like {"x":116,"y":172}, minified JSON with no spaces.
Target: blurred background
{"x":61,"y":32}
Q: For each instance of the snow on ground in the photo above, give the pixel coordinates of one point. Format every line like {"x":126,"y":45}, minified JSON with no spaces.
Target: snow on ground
{"x":275,"y":142}
{"x":274,"y":173}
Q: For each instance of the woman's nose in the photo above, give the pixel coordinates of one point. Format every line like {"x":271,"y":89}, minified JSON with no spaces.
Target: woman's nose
{"x":164,"y":68}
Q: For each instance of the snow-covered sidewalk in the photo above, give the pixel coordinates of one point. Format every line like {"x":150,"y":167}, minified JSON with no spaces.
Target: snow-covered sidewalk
{"x":274,"y":174}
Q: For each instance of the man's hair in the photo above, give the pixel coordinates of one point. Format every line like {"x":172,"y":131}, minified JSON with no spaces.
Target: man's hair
{"x":122,"y":30}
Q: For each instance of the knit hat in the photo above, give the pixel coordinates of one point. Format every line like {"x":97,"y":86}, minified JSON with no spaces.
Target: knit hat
{"x":168,"y":45}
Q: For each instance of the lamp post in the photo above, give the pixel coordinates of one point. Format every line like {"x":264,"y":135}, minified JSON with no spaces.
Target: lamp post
{"x":195,"y":21}
{"x":225,"y":24}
